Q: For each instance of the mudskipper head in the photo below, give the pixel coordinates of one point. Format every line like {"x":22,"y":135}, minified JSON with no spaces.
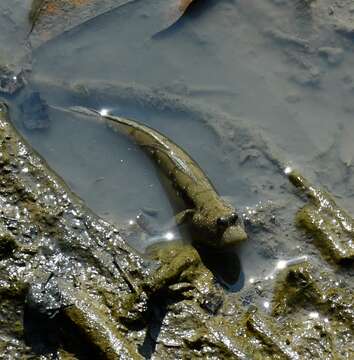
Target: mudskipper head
{"x":220,"y":227}
{"x":230,"y":229}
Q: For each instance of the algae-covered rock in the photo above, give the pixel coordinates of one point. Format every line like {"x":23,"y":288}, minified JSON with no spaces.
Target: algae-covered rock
{"x":331,"y":226}
{"x":182,"y":272}
{"x":34,"y":110}
{"x":71,"y":287}
{"x":304,"y":283}
{"x":7,"y":245}
{"x":315,"y":305}
{"x":47,"y":233}
{"x":81,"y":276}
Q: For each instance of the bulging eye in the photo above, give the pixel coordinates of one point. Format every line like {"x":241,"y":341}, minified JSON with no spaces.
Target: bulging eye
{"x":233,"y":218}
{"x":227,"y":221}
{"x":221,"y":221}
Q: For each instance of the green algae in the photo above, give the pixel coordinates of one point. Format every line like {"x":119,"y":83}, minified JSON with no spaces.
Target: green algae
{"x":331,"y":226}
{"x":274,"y":342}
{"x":305,"y":284}
{"x":220,"y":336}
{"x":110,"y":292}
{"x":39,"y":219}
{"x":8,"y":244}
{"x":90,"y":319}
{"x":183,"y":272}
{"x":313,"y":304}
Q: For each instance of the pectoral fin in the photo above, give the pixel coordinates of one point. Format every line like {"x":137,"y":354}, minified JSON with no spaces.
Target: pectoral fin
{"x":184,"y":216}
{"x":148,"y":224}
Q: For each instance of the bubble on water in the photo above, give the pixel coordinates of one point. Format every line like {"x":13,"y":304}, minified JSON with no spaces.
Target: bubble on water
{"x":288,"y":170}
{"x":169,"y":236}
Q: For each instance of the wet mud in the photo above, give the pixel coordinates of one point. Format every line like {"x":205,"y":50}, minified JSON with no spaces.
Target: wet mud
{"x":256,"y":99}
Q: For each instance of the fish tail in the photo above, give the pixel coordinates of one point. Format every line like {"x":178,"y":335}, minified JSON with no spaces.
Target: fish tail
{"x":81,"y":110}
{"x":84,"y":110}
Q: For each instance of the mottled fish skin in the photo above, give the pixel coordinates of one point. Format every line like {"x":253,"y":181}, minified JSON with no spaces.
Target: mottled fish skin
{"x":215,"y":222}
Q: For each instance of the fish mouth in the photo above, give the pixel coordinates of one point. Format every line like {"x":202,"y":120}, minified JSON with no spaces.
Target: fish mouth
{"x":233,"y":235}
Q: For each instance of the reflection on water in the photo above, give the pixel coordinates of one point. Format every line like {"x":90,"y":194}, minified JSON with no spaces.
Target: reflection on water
{"x":280,"y":265}
{"x":104,"y":112}
{"x":226,"y":267}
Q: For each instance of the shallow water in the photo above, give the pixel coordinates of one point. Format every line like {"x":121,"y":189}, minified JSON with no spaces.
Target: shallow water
{"x":14,"y":28}
{"x":217,"y":56}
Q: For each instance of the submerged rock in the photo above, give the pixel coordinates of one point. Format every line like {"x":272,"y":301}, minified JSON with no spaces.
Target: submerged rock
{"x":35,"y":112}
{"x":331,"y":226}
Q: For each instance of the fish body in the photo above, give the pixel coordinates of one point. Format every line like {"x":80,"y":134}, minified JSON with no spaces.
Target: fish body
{"x":216,"y":223}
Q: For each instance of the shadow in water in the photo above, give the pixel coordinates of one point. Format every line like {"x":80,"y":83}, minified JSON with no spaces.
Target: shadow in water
{"x":46,"y":335}
{"x":40,"y":333}
{"x":157,"y":309}
{"x":226,"y":267}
